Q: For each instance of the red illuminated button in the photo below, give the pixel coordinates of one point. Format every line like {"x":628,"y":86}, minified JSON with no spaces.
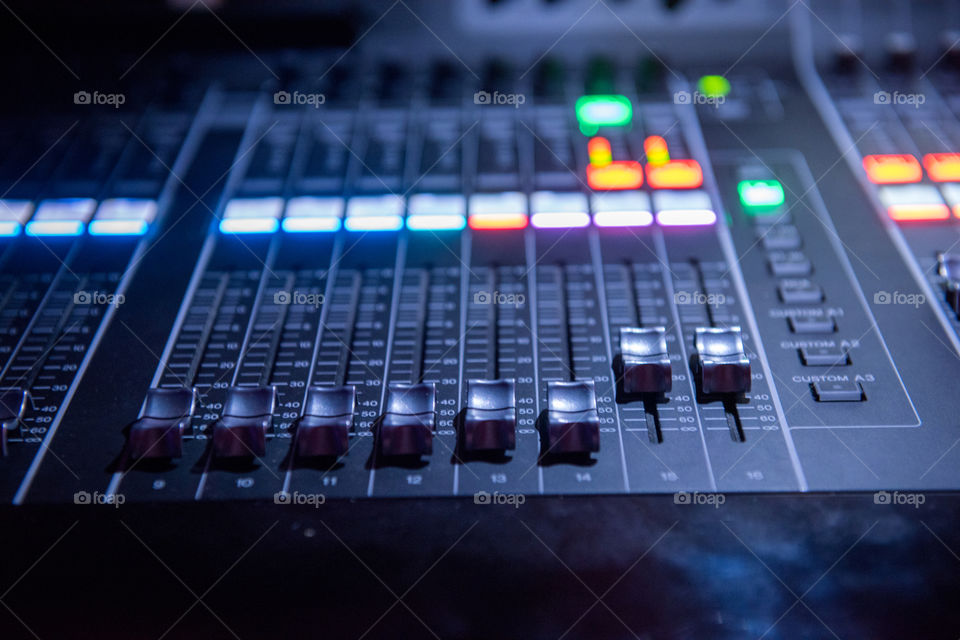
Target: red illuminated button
{"x":675,"y":174}
{"x":489,"y":221}
{"x":942,"y":167}
{"x":620,"y":174}
{"x":912,"y":212}
{"x":892,"y":168}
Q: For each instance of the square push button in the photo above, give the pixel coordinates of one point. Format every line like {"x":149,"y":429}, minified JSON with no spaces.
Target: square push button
{"x":812,"y":325}
{"x":789,"y":264}
{"x":844,"y":391}
{"x":780,"y":237}
{"x":824,"y":357}
{"x":803,"y":292}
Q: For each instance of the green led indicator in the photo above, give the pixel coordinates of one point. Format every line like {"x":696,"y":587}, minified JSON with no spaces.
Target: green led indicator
{"x":759,"y":197}
{"x":714,"y":86}
{"x":594,"y":112}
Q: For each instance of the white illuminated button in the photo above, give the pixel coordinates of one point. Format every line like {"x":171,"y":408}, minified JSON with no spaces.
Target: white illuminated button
{"x":374,"y":213}
{"x":427,"y":211}
{"x":621,"y":209}
{"x":123,"y":216}
{"x":916,"y":202}
{"x":507,"y":210}
{"x":61,"y":217}
{"x":13,"y":215}
{"x":683,"y":208}
{"x":252,"y":215}
{"x":556,"y":210}
{"x":307,"y":213}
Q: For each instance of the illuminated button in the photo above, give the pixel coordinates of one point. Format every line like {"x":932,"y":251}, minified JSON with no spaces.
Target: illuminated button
{"x":942,"y":167}
{"x":123,"y":217}
{"x":306,"y":214}
{"x":675,"y":174}
{"x":713,"y":86}
{"x":553,"y":210}
{"x":252,"y":215}
{"x":13,"y":215}
{"x":621,"y":209}
{"x":437,"y":212}
{"x":951,"y":193}
{"x":622,"y":174}
{"x":61,"y":217}
{"x":489,"y":211}
{"x":892,"y":169}
{"x":599,"y":151}
{"x":760,"y":197}
{"x":598,"y":111}
{"x":655,"y":148}
{"x":374,"y":213}
{"x":683,"y":208}
{"x":913,"y":202}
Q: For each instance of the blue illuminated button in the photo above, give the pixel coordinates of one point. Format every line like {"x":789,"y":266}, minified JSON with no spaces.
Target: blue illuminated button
{"x":374,"y":213}
{"x":555,"y":210}
{"x":123,"y":217}
{"x":621,"y":209}
{"x":13,"y":215}
{"x":683,"y":208}
{"x":252,"y":215}
{"x":313,"y":214}
{"x":61,"y":217}
{"x":427,"y":211}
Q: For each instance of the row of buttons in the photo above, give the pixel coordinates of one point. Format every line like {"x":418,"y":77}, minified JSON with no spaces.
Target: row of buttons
{"x":572,"y":423}
{"x":787,"y":261}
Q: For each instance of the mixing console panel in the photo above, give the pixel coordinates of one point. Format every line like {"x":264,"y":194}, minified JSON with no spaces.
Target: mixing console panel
{"x":586,"y":281}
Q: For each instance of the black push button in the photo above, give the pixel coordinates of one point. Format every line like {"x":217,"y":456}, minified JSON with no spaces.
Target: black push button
{"x":802,"y":292}
{"x":824,"y":357}
{"x":408,"y":422}
{"x":327,"y":418}
{"x":780,"y":237}
{"x":165,"y":416}
{"x":242,"y":429}
{"x":13,"y":402}
{"x":646,"y":363}
{"x":789,"y":264}
{"x":723,"y":366}
{"x":491,"y":416}
{"x":573,"y":423}
{"x":844,"y":391}
{"x":812,"y":325}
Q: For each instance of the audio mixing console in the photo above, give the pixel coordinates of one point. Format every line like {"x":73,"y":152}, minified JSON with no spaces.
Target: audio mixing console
{"x":507,"y":280}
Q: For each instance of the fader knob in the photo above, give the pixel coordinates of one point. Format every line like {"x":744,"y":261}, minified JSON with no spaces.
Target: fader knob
{"x":242,"y":429}
{"x":407,"y":425}
{"x":573,"y":423}
{"x":158,"y":432}
{"x":722,"y":365}
{"x":327,"y":418}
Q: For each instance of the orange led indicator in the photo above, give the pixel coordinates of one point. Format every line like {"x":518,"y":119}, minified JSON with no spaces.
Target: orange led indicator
{"x":942,"y":167}
{"x":897,"y":168}
{"x":675,"y":174}
{"x":656,"y":149}
{"x":492,"y":221}
{"x":915,"y":212}
{"x":622,"y":174}
{"x":599,"y":151}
